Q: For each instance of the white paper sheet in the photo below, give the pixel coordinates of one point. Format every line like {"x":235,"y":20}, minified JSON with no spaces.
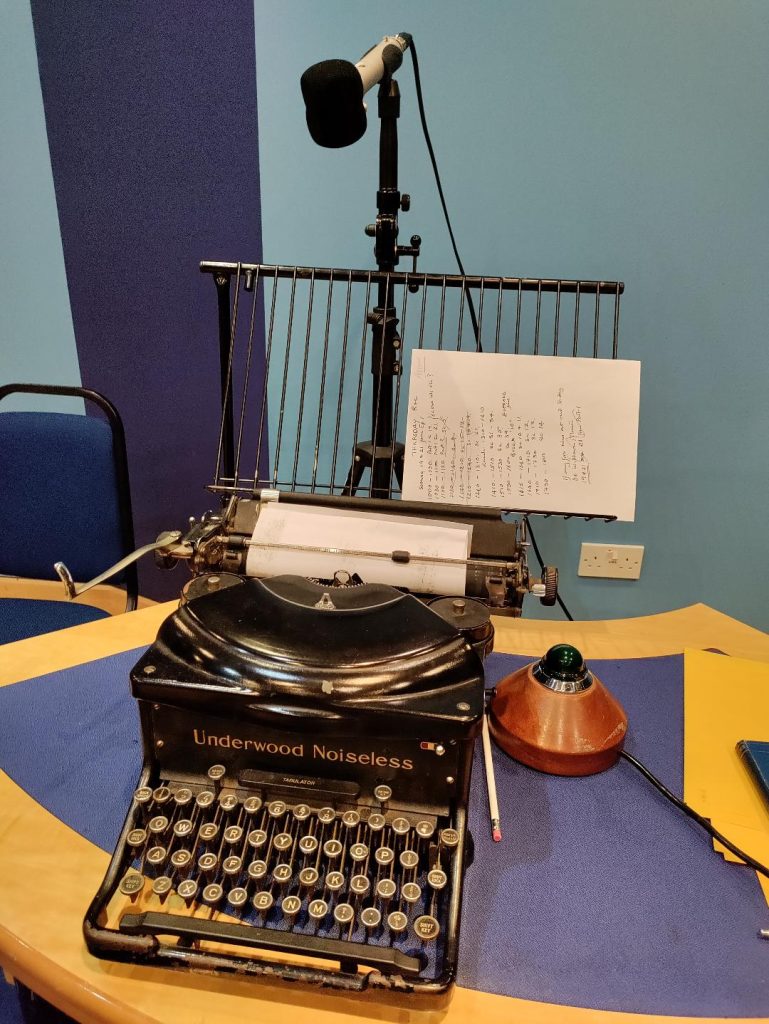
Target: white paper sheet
{"x":544,"y":433}
{"x":282,"y":524}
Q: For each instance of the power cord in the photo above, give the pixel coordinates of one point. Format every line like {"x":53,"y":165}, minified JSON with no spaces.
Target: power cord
{"x":541,"y":561}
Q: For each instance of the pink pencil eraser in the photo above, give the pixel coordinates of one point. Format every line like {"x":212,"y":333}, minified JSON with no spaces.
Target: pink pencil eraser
{"x":497,"y":835}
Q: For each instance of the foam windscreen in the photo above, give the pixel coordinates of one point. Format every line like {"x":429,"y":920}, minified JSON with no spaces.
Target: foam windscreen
{"x":333,"y":97}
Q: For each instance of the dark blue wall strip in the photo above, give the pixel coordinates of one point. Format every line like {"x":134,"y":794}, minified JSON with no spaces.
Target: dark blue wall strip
{"x":152,"y":127}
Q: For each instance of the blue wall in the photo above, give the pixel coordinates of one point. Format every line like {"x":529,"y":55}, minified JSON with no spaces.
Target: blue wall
{"x":594,"y":139}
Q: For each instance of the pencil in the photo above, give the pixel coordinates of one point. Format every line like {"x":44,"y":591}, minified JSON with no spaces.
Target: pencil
{"x":491,"y":785}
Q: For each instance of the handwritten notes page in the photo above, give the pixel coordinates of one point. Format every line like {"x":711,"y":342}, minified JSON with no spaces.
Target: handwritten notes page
{"x":541,"y":433}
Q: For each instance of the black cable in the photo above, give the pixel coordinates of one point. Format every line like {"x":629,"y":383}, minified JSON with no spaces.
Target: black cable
{"x":423,"y":119}
{"x":534,"y":544}
{"x":690,"y":812}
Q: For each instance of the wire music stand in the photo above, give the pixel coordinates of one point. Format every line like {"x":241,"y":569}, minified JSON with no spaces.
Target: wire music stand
{"x":300,"y":349}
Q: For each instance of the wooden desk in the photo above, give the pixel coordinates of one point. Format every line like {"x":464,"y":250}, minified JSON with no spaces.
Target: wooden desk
{"x":49,"y":873}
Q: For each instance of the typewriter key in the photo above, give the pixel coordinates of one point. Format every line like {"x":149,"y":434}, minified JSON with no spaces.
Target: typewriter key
{"x":449,"y":838}
{"x":282,"y":874}
{"x":207,"y":862}
{"x":257,"y":838}
{"x":257,"y":869}
{"x":183,"y":796}
{"x":401,"y":826}
{"x":409,"y":859}
{"x":301,"y":812}
{"x":158,"y":824}
{"x":216,"y":772}
{"x":291,"y":906}
{"x":382,"y":794}
{"x":358,"y":851}
{"x":208,"y":832}
{"x":334,"y":881}
{"x":326,"y":815}
{"x":237,"y":897}
{"x":386,"y":888}
{"x":162,"y":885}
{"x":397,"y":921}
{"x":332,"y":848}
{"x":263,"y":901}
{"x":232,"y":865}
{"x":143,"y":795}
{"x":317,"y":909}
{"x":437,"y":879}
{"x":161,"y":795}
{"x":213,"y":893}
{"x":136,"y":837}
{"x":376,"y":822}
{"x":187,"y":889}
{"x":425,"y":829}
{"x":204,"y":799}
{"x":252,"y":804}
{"x":426,"y":928}
{"x":156,"y":855}
{"x":131,"y":884}
{"x":233,"y":834}
{"x":343,"y":913}
{"x":228,"y":801}
{"x":276,"y":808}
{"x":282,"y":841}
{"x":181,"y":858}
{"x":351,"y":818}
{"x":360,"y":885}
{"x":308,"y":877}
{"x":411,"y":892}
{"x":308,"y":844}
{"x":182,"y":828}
{"x":384,"y":856}
{"x":371,"y":917}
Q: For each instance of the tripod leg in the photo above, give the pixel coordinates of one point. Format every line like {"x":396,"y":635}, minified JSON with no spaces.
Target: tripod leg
{"x":354,"y":476}
{"x":398,"y":466}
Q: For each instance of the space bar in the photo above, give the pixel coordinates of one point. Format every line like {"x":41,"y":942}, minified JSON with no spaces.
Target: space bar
{"x":383,"y":957}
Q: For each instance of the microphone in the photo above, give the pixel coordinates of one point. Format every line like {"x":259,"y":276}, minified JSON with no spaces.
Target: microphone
{"x":333,"y":91}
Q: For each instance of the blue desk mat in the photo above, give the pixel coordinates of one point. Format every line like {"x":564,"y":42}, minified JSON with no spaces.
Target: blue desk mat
{"x":601,"y":894}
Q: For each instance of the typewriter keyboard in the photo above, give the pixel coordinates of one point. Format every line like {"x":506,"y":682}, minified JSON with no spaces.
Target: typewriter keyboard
{"x":366,"y":885}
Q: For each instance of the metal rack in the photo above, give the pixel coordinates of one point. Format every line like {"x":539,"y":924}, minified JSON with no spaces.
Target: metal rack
{"x":303,"y":354}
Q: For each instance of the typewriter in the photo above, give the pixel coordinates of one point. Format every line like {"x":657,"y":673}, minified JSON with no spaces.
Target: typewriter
{"x":307,"y":739}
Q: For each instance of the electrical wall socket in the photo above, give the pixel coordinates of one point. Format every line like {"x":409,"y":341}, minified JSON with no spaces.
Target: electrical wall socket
{"x":611,"y":561}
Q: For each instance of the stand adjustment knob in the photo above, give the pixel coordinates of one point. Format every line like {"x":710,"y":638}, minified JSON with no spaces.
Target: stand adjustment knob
{"x":405,"y":202}
{"x":370,"y":230}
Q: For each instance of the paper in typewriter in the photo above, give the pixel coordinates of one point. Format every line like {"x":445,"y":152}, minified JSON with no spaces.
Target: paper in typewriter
{"x":541,"y":433}
{"x":318,"y":542}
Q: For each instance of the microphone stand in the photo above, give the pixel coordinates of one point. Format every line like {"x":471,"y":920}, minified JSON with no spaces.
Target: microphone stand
{"x":384,"y":455}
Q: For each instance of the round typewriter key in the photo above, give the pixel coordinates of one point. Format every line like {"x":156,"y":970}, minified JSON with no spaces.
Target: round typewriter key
{"x":181,"y":858}
{"x":143,"y":795}
{"x":397,"y":921}
{"x":182,"y":828}
{"x":334,"y":881}
{"x":301,"y":812}
{"x":382,"y":794}
{"x":409,"y":859}
{"x":437,"y":879}
{"x":237,"y":897}
{"x":308,"y":844}
{"x":156,"y":855}
{"x":343,"y":913}
{"x":204,"y":799}
{"x":317,"y":909}
{"x":161,"y":795}
{"x":411,"y":892}
{"x":136,"y":837}
{"x":257,"y":869}
{"x":213,"y":893}
{"x":282,"y":841}
{"x":232,"y":865}
{"x":376,"y":822}
{"x":252,"y":804}
{"x":401,"y":826}
{"x":233,"y":834}
{"x":449,"y":837}
{"x":162,"y":885}
{"x":360,"y":885}
{"x":187,"y":889}
{"x":351,"y":818}
{"x":228,"y":801}
{"x":182,"y":796}
{"x":425,"y":829}
{"x":358,"y":851}
{"x":426,"y":928}
{"x":263,"y":901}
{"x":291,"y":906}
{"x":282,"y":874}
{"x":386,"y":888}
{"x":158,"y":824}
{"x":332,"y":848}
{"x":308,"y":877}
{"x":131,"y":884}
{"x":208,"y":832}
{"x":207,"y":861}
{"x":326,"y":815}
{"x":216,"y":772}
{"x":371,"y":917}
{"x":257,"y":838}
{"x":384,"y":856}
{"x":276,"y":808}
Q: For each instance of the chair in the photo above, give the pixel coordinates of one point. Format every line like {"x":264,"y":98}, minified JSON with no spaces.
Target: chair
{"x":64,"y":496}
